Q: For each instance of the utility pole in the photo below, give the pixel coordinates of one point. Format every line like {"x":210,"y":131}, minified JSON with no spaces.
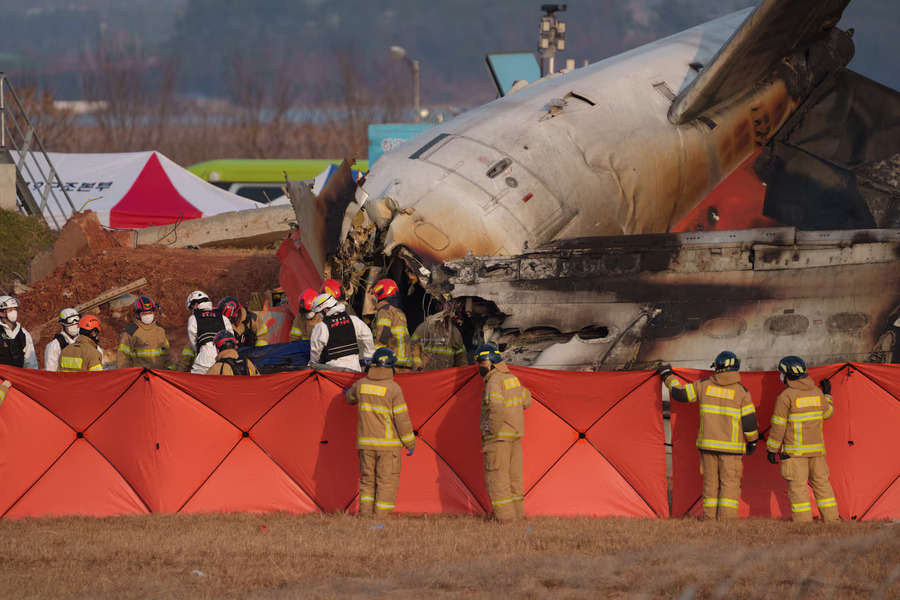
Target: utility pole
{"x":552,"y":36}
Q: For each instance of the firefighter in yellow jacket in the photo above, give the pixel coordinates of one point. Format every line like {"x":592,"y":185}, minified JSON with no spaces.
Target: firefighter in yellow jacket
{"x":143,"y":342}
{"x":389,"y":328}
{"x":83,"y":354}
{"x":249,"y":328}
{"x":502,"y":428}
{"x":796,"y":437}
{"x":728,"y":430}
{"x":228,"y":361}
{"x":306,"y":319}
{"x":437,"y":343}
{"x":383,"y":428}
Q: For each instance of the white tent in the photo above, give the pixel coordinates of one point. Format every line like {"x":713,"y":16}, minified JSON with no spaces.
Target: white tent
{"x":134,"y":189}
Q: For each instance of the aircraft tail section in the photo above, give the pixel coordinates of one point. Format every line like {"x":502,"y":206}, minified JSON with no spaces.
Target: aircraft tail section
{"x":775,"y":30}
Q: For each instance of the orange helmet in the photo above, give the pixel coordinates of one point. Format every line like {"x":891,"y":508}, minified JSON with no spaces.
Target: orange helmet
{"x":307,"y":298}
{"x":385,"y":288}
{"x":89,"y":323}
{"x":333,"y":287}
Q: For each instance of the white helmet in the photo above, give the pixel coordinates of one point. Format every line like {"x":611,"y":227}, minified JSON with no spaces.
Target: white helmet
{"x":323,"y":302}
{"x":69,"y":316}
{"x":7,"y":302}
{"x":196,"y":297}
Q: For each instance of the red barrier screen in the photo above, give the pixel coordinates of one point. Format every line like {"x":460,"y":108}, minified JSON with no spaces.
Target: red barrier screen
{"x":860,"y":443}
{"x":133,"y":441}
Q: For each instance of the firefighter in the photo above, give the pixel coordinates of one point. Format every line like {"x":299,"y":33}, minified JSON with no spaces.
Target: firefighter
{"x":502,"y":428}
{"x":16,"y":345}
{"x":203,"y":324}
{"x":83,"y":354}
{"x":339,"y":339}
{"x":306,"y":317}
{"x":437,"y":343}
{"x":68,"y":321}
{"x":389,"y":325}
{"x":143,"y":342}
{"x":796,"y":437}
{"x":728,"y":430}
{"x":383,"y":428}
{"x":228,"y":361}
{"x":249,"y":329}
{"x":336,"y":289}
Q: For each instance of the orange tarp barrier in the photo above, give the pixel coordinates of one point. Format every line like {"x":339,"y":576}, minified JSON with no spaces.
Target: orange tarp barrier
{"x":134,"y":441}
{"x":860,"y":443}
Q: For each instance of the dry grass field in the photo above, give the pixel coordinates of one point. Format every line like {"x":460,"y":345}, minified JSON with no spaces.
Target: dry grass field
{"x":339,"y":556}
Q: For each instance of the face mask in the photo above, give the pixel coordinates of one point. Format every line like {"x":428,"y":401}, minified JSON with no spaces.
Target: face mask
{"x":310,"y":315}
{"x":147,"y":318}
{"x":72,"y":330}
{"x":484,"y":370}
{"x":12,"y":315}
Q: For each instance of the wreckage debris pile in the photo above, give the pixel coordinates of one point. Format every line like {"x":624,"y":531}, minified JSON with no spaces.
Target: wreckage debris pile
{"x":171,"y":274}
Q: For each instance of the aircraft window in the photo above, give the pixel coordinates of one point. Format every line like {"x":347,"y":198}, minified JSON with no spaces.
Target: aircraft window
{"x":499,"y":167}
{"x":418,"y":153}
{"x":847,"y":322}
{"x":787,"y":325}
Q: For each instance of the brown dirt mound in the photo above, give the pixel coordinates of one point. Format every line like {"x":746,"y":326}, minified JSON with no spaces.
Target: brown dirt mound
{"x":172,"y":274}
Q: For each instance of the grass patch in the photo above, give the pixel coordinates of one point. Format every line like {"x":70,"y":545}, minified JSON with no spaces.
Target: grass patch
{"x":441,"y":556}
{"x":21,"y":238}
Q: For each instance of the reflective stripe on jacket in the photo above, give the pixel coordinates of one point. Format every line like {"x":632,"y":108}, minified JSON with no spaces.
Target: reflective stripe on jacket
{"x":382,"y":417}
{"x":435,"y":346}
{"x":301,"y":328}
{"x":502,"y":405}
{"x":797,"y":420}
{"x":143,"y":346}
{"x":727,"y":415}
{"x":389,"y":330}
{"x":81,"y":355}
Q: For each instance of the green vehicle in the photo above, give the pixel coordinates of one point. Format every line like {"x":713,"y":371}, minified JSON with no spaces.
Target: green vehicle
{"x":261,"y":179}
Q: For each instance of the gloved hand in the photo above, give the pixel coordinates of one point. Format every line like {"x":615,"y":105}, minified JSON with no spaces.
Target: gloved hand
{"x":825,"y":384}
{"x":410,"y":451}
{"x":751,"y":448}
{"x":664,"y":371}
{"x":772,"y":457}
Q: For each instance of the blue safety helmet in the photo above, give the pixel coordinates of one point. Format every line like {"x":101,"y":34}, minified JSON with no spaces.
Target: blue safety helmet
{"x":726,"y":361}
{"x":384,"y":357}
{"x":793,"y":367}
{"x":488,"y":352}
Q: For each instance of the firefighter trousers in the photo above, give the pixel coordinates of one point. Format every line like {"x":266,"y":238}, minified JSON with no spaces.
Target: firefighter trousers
{"x":721,"y":484}
{"x":379,"y":478}
{"x":799,"y":470}
{"x":503,"y":476}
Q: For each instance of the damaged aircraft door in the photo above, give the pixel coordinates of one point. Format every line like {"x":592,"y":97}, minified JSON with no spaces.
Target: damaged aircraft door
{"x":503,"y":184}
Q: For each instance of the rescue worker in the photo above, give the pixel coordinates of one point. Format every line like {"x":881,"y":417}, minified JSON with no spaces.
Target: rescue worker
{"x":437,"y":343}
{"x":4,"y":388}
{"x":68,"y":321}
{"x":249,"y":329}
{"x":383,"y":427}
{"x":796,"y":437}
{"x":340,"y":338}
{"x":16,"y":345}
{"x":228,"y":361}
{"x":83,"y":354}
{"x":727,"y":431}
{"x":389,"y":325}
{"x":203,"y":324}
{"x":502,"y":428}
{"x":306,"y":318}
{"x":143,"y":342}
{"x":336,"y":289}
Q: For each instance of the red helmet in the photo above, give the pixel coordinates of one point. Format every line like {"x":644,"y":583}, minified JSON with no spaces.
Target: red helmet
{"x":307,"y":298}
{"x":144,"y":304}
{"x":333,"y":287}
{"x":89,"y":323}
{"x":385,"y":288}
{"x":230,"y":306}
{"x":222,"y":338}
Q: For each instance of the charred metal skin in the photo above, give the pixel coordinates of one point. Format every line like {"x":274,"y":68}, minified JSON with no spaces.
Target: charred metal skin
{"x":625,"y":146}
{"x":679,"y":298}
